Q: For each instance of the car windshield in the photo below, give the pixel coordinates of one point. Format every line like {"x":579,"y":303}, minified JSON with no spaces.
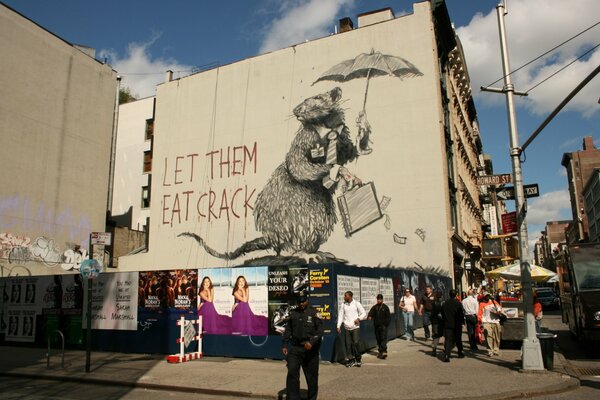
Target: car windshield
{"x":545,"y":293}
{"x":586,"y":265}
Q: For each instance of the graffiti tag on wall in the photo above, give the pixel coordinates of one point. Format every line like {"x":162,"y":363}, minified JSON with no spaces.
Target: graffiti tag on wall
{"x":20,"y":249}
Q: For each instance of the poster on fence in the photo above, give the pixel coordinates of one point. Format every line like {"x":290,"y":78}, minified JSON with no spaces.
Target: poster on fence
{"x":286,"y":284}
{"x":176,"y":289}
{"x":114,"y":301}
{"x":348,"y":283}
{"x":234,"y":301}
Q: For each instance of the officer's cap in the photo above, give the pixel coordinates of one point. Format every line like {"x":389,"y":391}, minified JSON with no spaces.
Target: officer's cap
{"x":302,"y":299}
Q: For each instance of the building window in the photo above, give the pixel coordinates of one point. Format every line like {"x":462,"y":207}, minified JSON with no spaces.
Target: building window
{"x":149,"y":129}
{"x":145,"y":196}
{"x":147,"y":161}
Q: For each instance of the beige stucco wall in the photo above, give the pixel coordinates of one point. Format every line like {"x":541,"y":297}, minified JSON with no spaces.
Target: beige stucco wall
{"x":129,"y":160}
{"x":56,"y":112}
{"x":251,"y":103}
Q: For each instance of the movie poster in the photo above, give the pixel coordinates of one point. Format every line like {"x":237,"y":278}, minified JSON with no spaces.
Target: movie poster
{"x":321,"y":297}
{"x":286,"y":284}
{"x":234,"y":301}
{"x":176,"y":289}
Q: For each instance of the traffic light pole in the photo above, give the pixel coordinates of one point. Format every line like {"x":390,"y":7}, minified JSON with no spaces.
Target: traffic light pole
{"x":532,"y":355}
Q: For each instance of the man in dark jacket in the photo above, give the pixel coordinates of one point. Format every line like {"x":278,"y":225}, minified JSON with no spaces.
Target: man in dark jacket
{"x":380,"y":314}
{"x":453,"y":316}
{"x":301,"y":342}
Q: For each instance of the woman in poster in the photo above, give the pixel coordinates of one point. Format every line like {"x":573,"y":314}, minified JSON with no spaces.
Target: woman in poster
{"x":212,"y":322}
{"x":243,"y":320}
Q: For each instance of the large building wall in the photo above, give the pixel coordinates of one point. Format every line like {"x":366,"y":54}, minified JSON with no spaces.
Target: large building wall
{"x":580,"y":165}
{"x":244,"y":112}
{"x":129,"y":161}
{"x":56,"y":113}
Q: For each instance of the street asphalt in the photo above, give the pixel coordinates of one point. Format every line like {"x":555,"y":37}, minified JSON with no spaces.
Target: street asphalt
{"x":410,"y":372}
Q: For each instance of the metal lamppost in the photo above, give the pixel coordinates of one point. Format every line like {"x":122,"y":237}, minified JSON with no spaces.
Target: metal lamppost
{"x":532,"y":354}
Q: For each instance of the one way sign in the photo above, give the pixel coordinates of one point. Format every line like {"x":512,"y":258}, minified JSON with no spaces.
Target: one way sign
{"x":508,"y":193}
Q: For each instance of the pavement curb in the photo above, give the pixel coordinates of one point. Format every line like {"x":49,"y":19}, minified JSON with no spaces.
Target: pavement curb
{"x":570,"y":383}
{"x":143,"y":385}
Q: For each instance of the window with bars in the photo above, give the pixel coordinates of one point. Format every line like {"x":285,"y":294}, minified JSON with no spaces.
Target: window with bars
{"x":147,"y":161}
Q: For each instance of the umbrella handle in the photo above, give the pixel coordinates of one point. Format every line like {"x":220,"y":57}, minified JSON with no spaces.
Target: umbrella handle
{"x":367,"y":90}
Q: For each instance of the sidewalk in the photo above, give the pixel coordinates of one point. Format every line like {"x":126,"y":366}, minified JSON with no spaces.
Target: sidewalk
{"x":410,"y":372}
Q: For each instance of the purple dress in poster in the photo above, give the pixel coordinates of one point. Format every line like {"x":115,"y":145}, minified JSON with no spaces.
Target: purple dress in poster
{"x":243,"y":320}
{"x":213,"y":323}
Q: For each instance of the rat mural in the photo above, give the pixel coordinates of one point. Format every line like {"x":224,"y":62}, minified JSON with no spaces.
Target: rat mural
{"x":295,"y":211}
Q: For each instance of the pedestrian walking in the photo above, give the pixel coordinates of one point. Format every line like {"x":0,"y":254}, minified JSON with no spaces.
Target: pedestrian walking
{"x":301,"y":343}
{"x":437,"y":322}
{"x":452,"y":313}
{"x":538,"y":313}
{"x":425,"y":309}
{"x":408,"y":305}
{"x":471,"y":308}
{"x":489,"y":316}
{"x":350,"y":313}
{"x":381,"y":316}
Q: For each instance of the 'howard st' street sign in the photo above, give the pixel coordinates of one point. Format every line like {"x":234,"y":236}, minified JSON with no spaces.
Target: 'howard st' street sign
{"x":486,"y":180}
{"x":508,"y":193}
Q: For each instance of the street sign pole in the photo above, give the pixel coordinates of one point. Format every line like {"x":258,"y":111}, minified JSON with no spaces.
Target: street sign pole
{"x":532,"y":355}
{"x":88,"y":336}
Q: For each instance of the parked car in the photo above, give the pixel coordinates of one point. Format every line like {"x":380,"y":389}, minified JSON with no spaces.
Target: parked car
{"x":548,"y":298}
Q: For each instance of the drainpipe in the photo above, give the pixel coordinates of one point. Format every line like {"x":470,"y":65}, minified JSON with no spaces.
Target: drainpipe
{"x":113,"y":150}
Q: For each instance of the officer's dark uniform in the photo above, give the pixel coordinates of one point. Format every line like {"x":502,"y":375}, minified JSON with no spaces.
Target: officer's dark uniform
{"x":303,"y":326}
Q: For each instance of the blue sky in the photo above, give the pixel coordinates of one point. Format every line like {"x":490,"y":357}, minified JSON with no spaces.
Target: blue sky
{"x":143,"y":38}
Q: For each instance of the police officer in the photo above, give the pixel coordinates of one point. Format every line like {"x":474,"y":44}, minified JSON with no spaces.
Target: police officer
{"x":301,"y":343}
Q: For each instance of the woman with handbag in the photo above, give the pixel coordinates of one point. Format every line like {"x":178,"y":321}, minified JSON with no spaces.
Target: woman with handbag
{"x":408,"y":305}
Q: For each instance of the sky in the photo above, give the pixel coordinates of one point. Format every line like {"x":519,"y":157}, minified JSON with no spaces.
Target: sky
{"x":141,"y":39}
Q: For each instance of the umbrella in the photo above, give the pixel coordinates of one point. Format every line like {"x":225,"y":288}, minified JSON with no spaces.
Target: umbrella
{"x":370,"y":65}
{"x":513,"y":272}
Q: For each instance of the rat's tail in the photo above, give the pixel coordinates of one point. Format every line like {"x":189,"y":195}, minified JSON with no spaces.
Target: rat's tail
{"x":253,"y":245}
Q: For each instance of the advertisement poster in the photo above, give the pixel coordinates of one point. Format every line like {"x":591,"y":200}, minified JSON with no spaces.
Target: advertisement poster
{"x":286,"y":284}
{"x":3,"y":306}
{"x":114,"y":300}
{"x":321,"y":295}
{"x":21,"y":325}
{"x":397,"y":284}
{"x":386,"y":288}
{"x":175,"y":289}
{"x":369,"y":289}
{"x":348,"y":283}
{"x":21,"y":309}
{"x":234,"y":301}
{"x":72,"y":292}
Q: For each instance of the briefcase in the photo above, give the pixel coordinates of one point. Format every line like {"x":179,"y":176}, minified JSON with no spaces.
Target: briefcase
{"x":359,"y":208}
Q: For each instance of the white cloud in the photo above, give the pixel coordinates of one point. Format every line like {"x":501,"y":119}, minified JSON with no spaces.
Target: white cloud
{"x":532,"y":28}
{"x":552,"y":206}
{"x":300,"y":21}
{"x":140,"y":72}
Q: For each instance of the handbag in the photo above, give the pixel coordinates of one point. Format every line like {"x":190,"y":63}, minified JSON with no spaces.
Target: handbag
{"x":479,"y":334}
{"x":503,"y":318}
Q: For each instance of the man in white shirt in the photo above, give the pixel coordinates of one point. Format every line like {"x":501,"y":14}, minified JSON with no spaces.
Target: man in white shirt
{"x":350,"y":313}
{"x":471,"y":307}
